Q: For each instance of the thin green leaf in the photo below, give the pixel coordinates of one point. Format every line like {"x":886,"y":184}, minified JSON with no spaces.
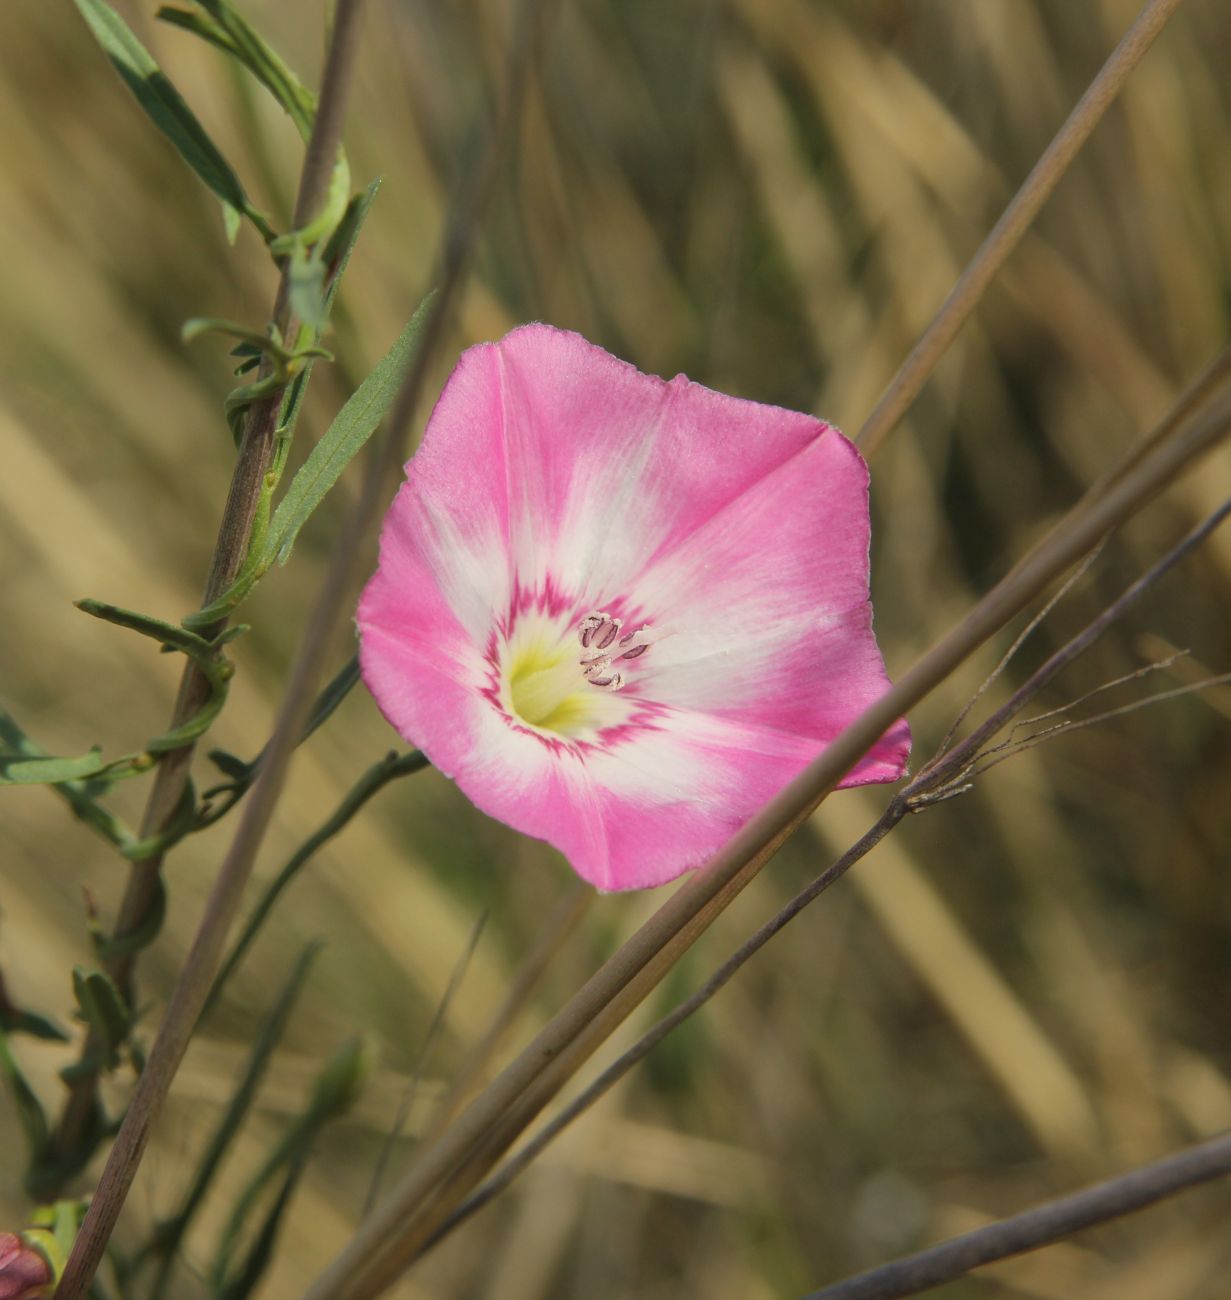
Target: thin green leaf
{"x":353,"y":426}
{"x":16,"y":770}
{"x":216,"y":669}
{"x":81,"y":796}
{"x":345,"y":680}
{"x":112,"y":949}
{"x":180,"y":824}
{"x":238,"y":769}
{"x":17,"y":1020}
{"x":197,"y":725}
{"x":169,"y":1234}
{"x":321,"y":224}
{"x":194,"y":646}
{"x":28,"y":1022}
{"x":261,"y":1252}
{"x":168,"y":111}
{"x":250,"y":48}
{"x":29,"y":1111}
{"x":102,"y":1007}
{"x":335,"y":1090}
{"x":198,"y":25}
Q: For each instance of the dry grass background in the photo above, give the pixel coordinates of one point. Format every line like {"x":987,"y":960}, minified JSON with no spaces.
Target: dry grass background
{"x":1021,"y":990}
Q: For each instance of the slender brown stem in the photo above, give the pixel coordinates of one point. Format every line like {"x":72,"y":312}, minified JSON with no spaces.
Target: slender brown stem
{"x":1041,"y":1226}
{"x":1013,"y":224}
{"x":192,"y":988}
{"x":396,"y":1227}
{"x":234,"y":532}
{"x":143,"y":889}
{"x":944,"y":769}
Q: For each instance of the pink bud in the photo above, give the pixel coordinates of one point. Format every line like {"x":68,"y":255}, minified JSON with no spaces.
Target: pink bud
{"x":24,"y":1273}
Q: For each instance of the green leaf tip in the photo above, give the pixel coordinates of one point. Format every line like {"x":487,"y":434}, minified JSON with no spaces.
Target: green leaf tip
{"x":102,"y":1007}
{"x":166,"y":108}
{"x":343,"y":440}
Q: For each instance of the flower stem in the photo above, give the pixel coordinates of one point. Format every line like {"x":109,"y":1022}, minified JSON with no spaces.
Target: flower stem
{"x":192,"y":987}
{"x":374,"y":779}
{"x":256,"y":446}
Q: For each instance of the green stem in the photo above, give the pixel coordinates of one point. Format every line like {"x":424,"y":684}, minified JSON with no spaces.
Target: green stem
{"x":375,"y":778}
{"x":144,"y":887}
{"x":168,"y":1235}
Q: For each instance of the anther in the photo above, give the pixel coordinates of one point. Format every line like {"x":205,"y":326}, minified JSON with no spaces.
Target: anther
{"x":602,"y":642}
{"x":598,"y":630}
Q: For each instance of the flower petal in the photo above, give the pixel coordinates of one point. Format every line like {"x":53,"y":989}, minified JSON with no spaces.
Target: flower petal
{"x":766,"y":610}
{"x":608,"y":466}
{"x":554,"y":480}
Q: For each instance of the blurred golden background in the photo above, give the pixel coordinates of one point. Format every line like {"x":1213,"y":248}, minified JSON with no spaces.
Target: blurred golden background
{"x":1024,"y":989}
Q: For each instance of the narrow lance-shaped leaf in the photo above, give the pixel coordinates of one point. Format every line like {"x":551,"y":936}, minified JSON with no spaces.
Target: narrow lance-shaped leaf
{"x":216,"y":669}
{"x":257,"y":1260}
{"x":81,"y":795}
{"x":334,"y":1092}
{"x":336,"y":256}
{"x":169,"y":634}
{"x":228,"y":29}
{"x":266,"y":65}
{"x":102,"y":1007}
{"x":354,"y":425}
{"x":17,"y":1020}
{"x":168,"y":111}
{"x":36,"y":1026}
{"x":168,"y":1234}
{"x":29,"y":1111}
{"x":16,"y":770}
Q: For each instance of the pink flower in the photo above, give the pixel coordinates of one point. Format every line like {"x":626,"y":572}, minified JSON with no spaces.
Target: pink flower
{"x":622,"y":613}
{"x":24,"y":1273}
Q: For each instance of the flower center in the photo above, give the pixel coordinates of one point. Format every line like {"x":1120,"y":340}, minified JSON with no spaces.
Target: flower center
{"x":553,"y":683}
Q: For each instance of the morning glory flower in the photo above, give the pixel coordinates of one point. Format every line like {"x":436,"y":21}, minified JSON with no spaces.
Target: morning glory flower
{"x":622,"y":613}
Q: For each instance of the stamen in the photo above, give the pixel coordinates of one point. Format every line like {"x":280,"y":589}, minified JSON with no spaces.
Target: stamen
{"x":602,"y":642}
{"x":598,"y":630}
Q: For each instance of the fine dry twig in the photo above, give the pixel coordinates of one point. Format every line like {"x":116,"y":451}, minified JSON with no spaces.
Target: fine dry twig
{"x":1038,"y":1227}
{"x":1016,"y":219}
